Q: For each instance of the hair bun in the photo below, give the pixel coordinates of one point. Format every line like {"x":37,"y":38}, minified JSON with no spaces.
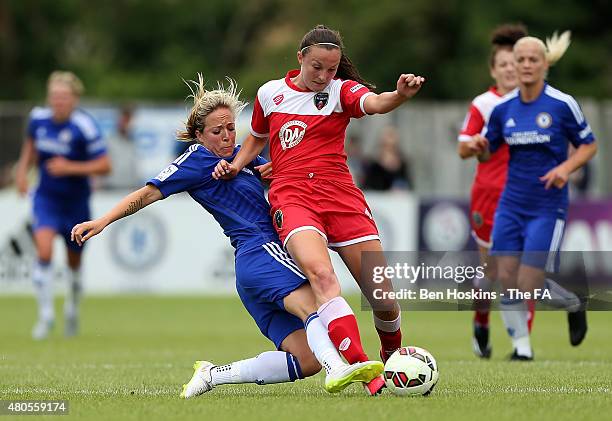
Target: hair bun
{"x":508,"y":34}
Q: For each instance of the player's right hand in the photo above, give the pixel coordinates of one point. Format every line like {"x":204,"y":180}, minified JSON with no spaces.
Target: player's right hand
{"x":478,"y":144}
{"x":224,"y":171}
{"x":85,"y":230}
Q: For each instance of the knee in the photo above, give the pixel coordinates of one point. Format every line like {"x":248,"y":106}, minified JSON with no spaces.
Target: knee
{"x":324,"y":281}
{"x":309,"y":364}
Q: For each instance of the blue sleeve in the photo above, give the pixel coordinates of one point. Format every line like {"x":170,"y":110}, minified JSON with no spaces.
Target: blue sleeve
{"x":576,"y":127}
{"x":260,"y":160}
{"x":95,"y":144}
{"x":185,"y":173}
{"x":32,"y":128}
{"x":494,"y":133}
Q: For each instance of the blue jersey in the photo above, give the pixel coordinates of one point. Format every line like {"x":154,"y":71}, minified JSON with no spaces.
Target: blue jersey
{"x":77,"y":139}
{"x":238,"y":205}
{"x":537,"y":133}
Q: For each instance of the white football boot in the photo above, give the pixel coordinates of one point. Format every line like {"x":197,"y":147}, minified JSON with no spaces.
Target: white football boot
{"x":42,"y":329}
{"x":201,"y":381}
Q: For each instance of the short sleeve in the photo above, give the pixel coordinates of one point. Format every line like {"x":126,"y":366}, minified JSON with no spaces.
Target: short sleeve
{"x":31,"y":131}
{"x":259,"y":160}
{"x":260,"y":126}
{"x":184,"y":174}
{"x":578,"y":130}
{"x":472,"y":124}
{"x":95,"y":144}
{"x":352,"y":97}
{"x":494,"y":132}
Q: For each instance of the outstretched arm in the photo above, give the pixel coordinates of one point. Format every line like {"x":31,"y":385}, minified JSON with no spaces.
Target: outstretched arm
{"x":407,"y":86}
{"x":130,"y":204}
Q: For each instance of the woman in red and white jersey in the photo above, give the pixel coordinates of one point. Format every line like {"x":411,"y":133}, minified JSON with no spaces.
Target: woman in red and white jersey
{"x":315,"y":204}
{"x":490,"y":176}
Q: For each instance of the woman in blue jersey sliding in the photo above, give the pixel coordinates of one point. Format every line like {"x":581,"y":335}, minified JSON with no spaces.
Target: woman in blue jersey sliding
{"x":538,"y":122}
{"x":66,"y":144}
{"x":272,"y":288}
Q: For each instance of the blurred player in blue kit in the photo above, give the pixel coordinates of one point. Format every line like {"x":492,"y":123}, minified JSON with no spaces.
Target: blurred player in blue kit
{"x":66,"y":144}
{"x":536,"y":121}
{"x":272,"y":288}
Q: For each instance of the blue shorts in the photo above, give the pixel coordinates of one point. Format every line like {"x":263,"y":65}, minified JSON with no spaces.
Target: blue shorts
{"x":536,"y":239}
{"x":264,"y":276}
{"x":60,"y":216}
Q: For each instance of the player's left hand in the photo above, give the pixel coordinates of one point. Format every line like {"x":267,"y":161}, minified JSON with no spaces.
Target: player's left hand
{"x":265,"y":170}
{"x":408,"y":85}
{"x":556,"y":177}
{"x":59,"y":166}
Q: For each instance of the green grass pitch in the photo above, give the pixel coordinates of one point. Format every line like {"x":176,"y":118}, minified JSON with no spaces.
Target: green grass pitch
{"x":134,"y":353}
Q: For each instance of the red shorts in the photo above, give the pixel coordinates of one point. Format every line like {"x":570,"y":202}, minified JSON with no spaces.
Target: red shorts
{"x":482,"y":211}
{"x":337,"y":211}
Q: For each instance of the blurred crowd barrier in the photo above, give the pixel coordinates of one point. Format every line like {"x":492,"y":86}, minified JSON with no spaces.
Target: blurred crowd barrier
{"x":427,"y":139}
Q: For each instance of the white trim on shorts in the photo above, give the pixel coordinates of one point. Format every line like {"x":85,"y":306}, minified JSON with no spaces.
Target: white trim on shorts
{"x":554,"y":245}
{"x":355,"y":241}
{"x":304,"y":228}
{"x":481,"y":242}
{"x":283,"y":258}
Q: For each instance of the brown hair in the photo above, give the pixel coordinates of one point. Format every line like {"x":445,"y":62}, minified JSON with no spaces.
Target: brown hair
{"x":325,"y":37}
{"x":504,"y":37}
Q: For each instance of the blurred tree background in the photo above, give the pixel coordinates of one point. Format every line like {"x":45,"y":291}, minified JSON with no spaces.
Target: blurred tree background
{"x":140,"y":50}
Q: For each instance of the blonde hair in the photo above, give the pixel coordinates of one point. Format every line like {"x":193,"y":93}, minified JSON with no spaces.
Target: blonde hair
{"x":554,"y":48}
{"x":67,"y":78}
{"x":205,"y":102}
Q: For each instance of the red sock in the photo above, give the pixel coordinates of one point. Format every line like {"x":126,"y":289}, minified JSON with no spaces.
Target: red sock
{"x":481,"y":318}
{"x":390,"y":341}
{"x":531,"y":304}
{"x":344,"y":334}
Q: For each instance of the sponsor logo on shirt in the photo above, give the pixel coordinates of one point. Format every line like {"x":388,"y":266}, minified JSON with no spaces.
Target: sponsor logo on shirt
{"x":544,"y":120}
{"x":278,"y":99}
{"x":291,"y":133}
{"x":248,"y":171}
{"x":510,"y":123}
{"x":527,"y":138}
{"x":356,"y":88}
{"x":166,"y":172}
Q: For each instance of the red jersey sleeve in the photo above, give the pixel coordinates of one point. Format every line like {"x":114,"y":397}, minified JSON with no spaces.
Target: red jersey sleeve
{"x":472,"y":125}
{"x":352,"y":96}
{"x":260,"y":126}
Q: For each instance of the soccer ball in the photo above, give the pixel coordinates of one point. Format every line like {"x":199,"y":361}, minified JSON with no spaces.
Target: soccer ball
{"x":411,"y":371}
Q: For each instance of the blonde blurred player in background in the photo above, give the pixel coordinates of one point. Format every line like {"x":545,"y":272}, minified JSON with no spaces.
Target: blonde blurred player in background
{"x":491,"y":175}
{"x":67,"y":145}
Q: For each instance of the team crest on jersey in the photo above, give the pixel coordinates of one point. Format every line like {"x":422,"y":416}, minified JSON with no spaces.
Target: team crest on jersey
{"x":291,"y":133}
{"x":477,"y":218}
{"x":320,"y":100}
{"x":278,"y":99}
{"x":544,"y":120}
{"x":278,"y":218}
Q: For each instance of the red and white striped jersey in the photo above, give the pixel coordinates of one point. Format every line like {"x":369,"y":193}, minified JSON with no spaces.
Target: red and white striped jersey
{"x":493,"y":172}
{"x":307,"y":129}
